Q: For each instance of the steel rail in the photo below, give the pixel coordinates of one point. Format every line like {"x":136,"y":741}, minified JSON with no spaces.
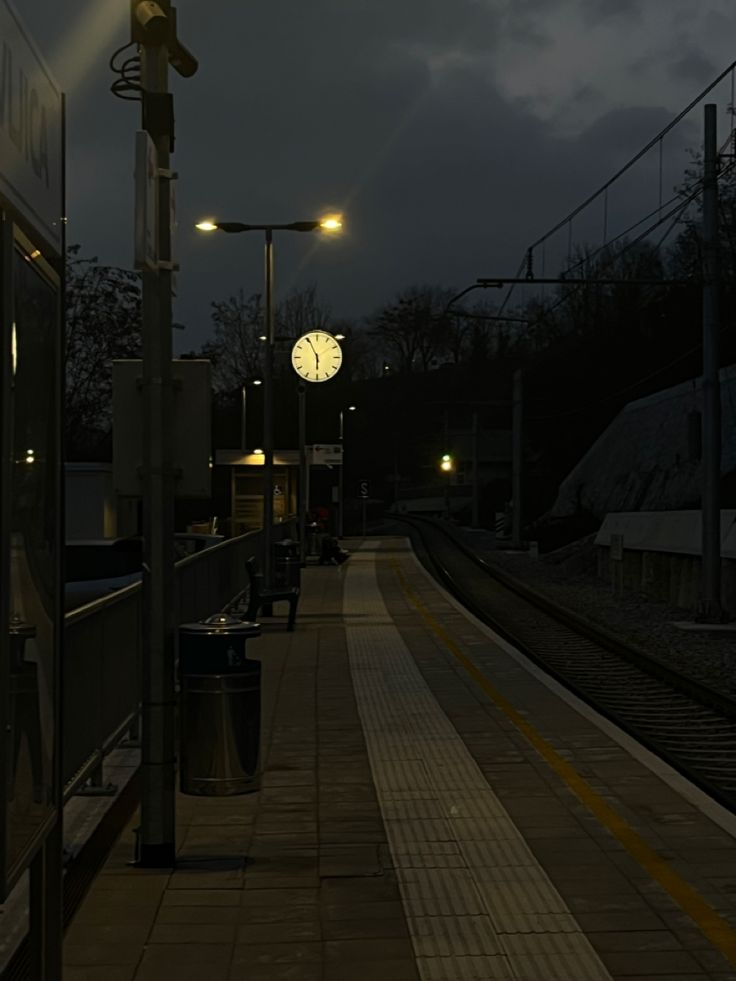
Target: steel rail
{"x":687,"y":723}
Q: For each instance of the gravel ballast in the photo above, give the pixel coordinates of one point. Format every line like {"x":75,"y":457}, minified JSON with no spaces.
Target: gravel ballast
{"x":707,"y":655}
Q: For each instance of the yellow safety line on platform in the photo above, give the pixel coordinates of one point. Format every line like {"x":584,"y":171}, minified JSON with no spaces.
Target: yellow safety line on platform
{"x":715,"y":928}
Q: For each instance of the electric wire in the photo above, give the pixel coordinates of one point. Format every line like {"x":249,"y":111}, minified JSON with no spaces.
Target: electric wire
{"x":603,"y":188}
{"x":128,"y":84}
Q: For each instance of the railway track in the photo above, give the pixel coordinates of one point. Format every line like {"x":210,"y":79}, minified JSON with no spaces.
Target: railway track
{"x":686,"y":723}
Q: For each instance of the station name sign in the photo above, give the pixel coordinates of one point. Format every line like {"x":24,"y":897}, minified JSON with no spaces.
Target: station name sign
{"x":30,"y":130}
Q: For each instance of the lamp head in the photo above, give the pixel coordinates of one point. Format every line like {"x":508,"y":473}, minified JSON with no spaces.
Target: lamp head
{"x":331,"y":223}
{"x":207,"y":226}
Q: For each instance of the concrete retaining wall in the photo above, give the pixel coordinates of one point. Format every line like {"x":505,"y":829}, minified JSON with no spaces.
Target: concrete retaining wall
{"x":661,"y":555}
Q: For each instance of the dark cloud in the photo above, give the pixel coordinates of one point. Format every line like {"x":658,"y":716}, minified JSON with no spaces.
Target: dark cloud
{"x":693,"y":66}
{"x":390,"y":110}
{"x":599,"y":11}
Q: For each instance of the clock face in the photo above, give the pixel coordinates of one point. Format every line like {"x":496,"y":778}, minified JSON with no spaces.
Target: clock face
{"x":316,"y":356}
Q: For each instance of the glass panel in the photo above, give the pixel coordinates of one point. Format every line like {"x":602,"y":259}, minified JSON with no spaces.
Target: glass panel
{"x":33,"y":560}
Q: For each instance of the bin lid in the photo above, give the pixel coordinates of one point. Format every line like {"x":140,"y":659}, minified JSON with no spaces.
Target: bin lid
{"x":223,"y":624}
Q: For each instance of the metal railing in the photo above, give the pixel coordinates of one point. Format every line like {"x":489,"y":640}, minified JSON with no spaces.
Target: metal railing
{"x":102,"y":652}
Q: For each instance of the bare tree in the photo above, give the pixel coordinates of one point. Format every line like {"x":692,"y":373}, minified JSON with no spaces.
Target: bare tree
{"x":300,"y":311}
{"x":103,"y":323}
{"x":236,"y":348}
{"x":415,"y":329}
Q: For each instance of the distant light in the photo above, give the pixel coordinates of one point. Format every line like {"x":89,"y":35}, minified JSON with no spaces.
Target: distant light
{"x":262,"y":337}
{"x":258,"y":452}
{"x":257,"y":381}
{"x":446,"y":465}
{"x":206,"y":226}
{"x":352,"y":408}
{"x":331,"y":224}
{"x":339,"y":337}
{"x":30,"y":456}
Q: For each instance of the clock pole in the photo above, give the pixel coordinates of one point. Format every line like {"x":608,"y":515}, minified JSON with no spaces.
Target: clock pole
{"x":303,"y":502}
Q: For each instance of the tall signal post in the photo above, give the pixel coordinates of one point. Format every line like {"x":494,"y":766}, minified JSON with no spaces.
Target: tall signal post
{"x":153,"y":28}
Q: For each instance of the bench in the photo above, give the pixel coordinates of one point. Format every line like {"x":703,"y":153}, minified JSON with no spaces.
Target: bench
{"x":259,"y":596}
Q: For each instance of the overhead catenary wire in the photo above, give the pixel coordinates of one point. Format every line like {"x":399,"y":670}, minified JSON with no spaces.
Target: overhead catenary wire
{"x":603,"y":188}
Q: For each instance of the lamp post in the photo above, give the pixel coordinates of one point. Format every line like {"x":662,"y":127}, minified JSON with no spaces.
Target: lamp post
{"x":330,"y":224}
{"x":243,"y":413}
{"x":447,"y":466}
{"x":341,"y":477}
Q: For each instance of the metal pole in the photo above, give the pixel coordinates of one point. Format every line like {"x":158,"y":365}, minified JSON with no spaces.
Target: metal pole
{"x":516,"y":464}
{"x":709,"y":607}
{"x":268,"y":440}
{"x":397,"y":475}
{"x":302,"y":393}
{"x":46,"y":914}
{"x":475,"y":519}
{"x":243,"y":430}
{"x":447,"y":475}
{"x":157,"y":842}
{"x":340,"y":483}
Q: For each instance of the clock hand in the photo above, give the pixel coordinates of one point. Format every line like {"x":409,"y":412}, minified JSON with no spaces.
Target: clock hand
{"x":316,"y":356}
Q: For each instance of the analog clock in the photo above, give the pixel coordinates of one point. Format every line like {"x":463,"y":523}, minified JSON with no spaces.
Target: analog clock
{"x":316,"y":356}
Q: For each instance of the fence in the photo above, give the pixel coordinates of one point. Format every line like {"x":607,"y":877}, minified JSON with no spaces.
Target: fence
{"x":103,"y":651}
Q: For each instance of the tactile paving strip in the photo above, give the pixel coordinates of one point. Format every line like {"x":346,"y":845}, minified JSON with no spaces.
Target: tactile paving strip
{"x":478,"y":904}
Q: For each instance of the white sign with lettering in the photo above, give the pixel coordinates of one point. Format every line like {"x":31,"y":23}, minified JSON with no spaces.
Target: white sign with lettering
{"x":30,"y":130}
{"x":329,"y":455}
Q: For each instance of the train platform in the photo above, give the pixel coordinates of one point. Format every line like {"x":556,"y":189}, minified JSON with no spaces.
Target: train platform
{"x":432,"y":807}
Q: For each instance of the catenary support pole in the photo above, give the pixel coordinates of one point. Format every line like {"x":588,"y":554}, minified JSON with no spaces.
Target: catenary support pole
{"x":157,"y":842}
{"x":268,"y":412}
{"x":475,"y":520}
{"x":709,"y":607}
{"x":516,"y":463}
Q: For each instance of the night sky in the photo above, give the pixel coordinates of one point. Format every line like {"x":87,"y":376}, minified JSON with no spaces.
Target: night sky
{"x":451,"y":133}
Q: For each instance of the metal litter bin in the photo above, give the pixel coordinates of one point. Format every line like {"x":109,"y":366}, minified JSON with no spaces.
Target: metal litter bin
{"x":220,"y":718}
{"x":287,"y":567}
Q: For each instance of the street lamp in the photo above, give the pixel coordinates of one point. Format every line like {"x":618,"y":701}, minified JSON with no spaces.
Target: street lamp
{"x":341,"y":476}
{"x":330,"y":223}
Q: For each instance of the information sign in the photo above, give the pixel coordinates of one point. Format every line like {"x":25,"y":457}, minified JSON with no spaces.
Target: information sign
{"x":31,"y":122}
{"x":326,"y":454}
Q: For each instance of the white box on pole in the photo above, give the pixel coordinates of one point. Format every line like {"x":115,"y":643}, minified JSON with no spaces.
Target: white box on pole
{"x":192,"y":434}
